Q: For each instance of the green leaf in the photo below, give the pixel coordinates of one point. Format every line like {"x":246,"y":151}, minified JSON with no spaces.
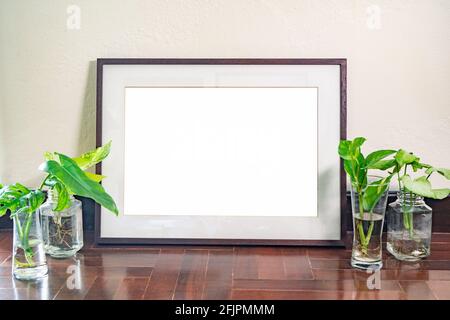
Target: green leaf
{"x":361,"y":170}
{"x":422,"y":187}
{"x":63,"y":197}
{"x":348,"y":167}
{"x":442,"y":171}
{"x":404,"y":157}
{"x":382,"y":164}
{"x":377,"y":156}
{"x":19,"y":199}
{"x":94,"y":177}
{"x":357,"y":143}
{"x":51,"y":156}
{"x":349,"y":150}
{"x":50,"y":181}
{"x":355,"y":147}
{"x":441,"y":193}
{"x":77,"y":182}
{"x":344,"y":149}
{"x":416,"y":165}
{"x":35,"y":199}
{"x":354,"y":161}
{"x":93,"y":157}
{"x":373,"y":193}
{"x":85,"y":161}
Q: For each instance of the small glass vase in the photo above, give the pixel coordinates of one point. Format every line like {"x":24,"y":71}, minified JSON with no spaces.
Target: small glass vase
{"x":63,"y":230}
{"x":29,"y":261}
{"x":409,"y":227}
{"x":368,"y":228}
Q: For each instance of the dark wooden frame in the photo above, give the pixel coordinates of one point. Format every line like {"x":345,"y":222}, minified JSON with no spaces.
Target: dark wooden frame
{"x":342,"y":63}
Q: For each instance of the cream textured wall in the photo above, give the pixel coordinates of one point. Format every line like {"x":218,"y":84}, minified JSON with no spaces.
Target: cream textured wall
{"x":398,"y":77}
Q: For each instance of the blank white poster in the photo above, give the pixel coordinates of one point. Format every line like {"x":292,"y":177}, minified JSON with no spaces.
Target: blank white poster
{"x":221,"y":151}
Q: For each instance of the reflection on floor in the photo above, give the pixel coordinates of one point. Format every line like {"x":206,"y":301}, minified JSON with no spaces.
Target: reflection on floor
{"x":181,"y":272}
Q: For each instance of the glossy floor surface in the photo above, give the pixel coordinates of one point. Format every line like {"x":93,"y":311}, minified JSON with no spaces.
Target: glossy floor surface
{"x":169,"y":272}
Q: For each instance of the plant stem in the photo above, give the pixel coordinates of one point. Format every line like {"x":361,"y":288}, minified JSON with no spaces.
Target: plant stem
{"x":26,"y":231}
{"x":399,"y":184}
{"x":404,"y":210}
{"x":406,"y":222}
{"x":19,"y":227}
{"x":369,"y":233}
{"x":361,"y":209}
{"x":411,"y":221}
{"x":24,"y":234}
{"x":408,"y":218}
{"x":411,"y":224}
{"x":362,"y":235}
{"x":43,"y":182}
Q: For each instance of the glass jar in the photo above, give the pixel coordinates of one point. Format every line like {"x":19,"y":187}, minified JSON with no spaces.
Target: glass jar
{"x":63,"y":230}
{"x":29,"y":261}
{"x":409,"y":227}
{"x":368,"y":225}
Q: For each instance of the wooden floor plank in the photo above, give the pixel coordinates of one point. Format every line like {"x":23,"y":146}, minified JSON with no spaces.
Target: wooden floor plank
{"x":5,"y":241}
{"x":131,"y":288}
{"x":406,"y":275}
{"x":75,"y":290}
{"x":417,"y":290}
{"x":440,"y":246}
{"x":270,"y":263}
{"x":296,"y":264}
{"x":219,"y":275}
{"x":191,"y":280}
{"x":4,"y":256}
{"x":316,"y":285}
{"x":441,"y":237}
{"x":441,"y":289}
{"x":334,"y":264}
{"x":313,"y":295}
{"x":245,"y":265}
{"x":329,"y":253}
{"x":122,"y":258}
{"x":28,"y":293}
{"x":165,"y":275}
{"x":103,"y":288}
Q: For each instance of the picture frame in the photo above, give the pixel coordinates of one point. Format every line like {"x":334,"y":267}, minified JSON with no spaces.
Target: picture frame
{"x":122,"y":75}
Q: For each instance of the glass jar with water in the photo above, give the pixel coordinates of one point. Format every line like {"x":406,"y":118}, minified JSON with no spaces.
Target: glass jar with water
{"x":368,"y":209}
{"x":62,"y":230}
{"x":29,"y":261}
{"x":409,"y":227}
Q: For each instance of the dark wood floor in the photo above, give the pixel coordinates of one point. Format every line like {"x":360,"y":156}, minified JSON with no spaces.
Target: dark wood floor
{"x":228,"y":273}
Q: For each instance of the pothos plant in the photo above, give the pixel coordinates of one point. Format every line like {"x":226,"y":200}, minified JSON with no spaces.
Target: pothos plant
{"x":356,"y":165}
{"x":418,"y":186}
{"x":66,"y":176}
{"x":396,"y":163}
